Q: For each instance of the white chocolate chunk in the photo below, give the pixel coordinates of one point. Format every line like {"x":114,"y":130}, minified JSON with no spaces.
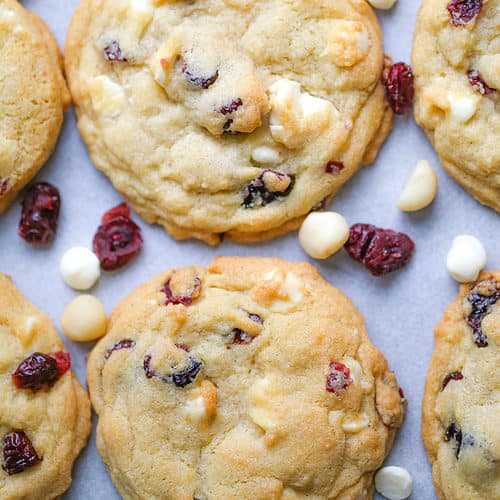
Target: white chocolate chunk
{"x":84,"y":319}
{"x":462,"y":107}
{"x":348,"y":44}
{"x":289,"y":293}
{"x":195,"y":409}
{"x":323,"y":233}
{"x":382,"y":4}
{"x":108,"y":98}
{"x":420,"y":190}
{"x":263,"y":411}
{"x":140,"y":15}
{"x":394,"y":483}
{"x":355,"y":425}
{"x":266,"y":155}
{"x":80,"y":268}
{"x":466,"y":258}
{"x":26,"y":334}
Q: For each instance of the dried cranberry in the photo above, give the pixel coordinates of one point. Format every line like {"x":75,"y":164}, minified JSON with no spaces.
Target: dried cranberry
{"x":381,"y":251}
{"x":147,"y":366}
{"x":122,"y":344}
{"x":112,"y":52}
{"x":262,"y":190}
{"x":241,"y":337}
{"x":231,"y":108}
{"x":182,"y":374}
{"x":184,"y":347}
{"x":185,"y":300}
{"x":400,"y":87}
{"x":449,"y":377}
{"x":481,"y":305}
{"x":36,"y":371}
{"x":117,"y":240}
{"x":63,"y":360}
{"x":320,"y":206}
{"x":478,"y":84}
{"x":40,"y":214}
{"x":339,"y":378}
{"x":334,"y":167}
{"x":464,"y":11}
{"x":401,"y":393}
{"x":199,"y":81}
{"x":454,"y":432}
{"x":4,"y":185}
{"x":227,"y":125}
{"x":18,"y":453}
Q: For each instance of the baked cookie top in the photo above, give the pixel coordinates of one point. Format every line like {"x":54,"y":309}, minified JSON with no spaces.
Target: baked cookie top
{"x":228,"y":117}
{"x":44,"y":411}
{"x":33,"y":95}
{"x":461,"y":404}
{"x":251,"y":378}
{"x":456,"y":60}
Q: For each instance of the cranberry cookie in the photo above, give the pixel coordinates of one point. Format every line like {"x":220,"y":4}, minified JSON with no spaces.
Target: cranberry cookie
{"x":251,"y":378}
{"x":456,"y":60}
{"x":33,"y":97}
{"x":44,"y":411}
{"x":228,"y":117}
{"x":461,"y":407}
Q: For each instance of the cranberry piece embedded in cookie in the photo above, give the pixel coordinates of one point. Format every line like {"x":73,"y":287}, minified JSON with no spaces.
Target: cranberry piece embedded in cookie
{"x":63,"y":360}
{"x":198,"y":81}
{"x":121,"y":209}
{"x":267,"y":187}
{"x":478,"y":84}
{"x":454,"y":432}
{"x":232,"y":107}
{"x":400,"y":87}
{"x":449,"y":377}
{"x":334,"y":167}
{"x":112,"y":52}
{"x":186,"y":374}
{"x":122,"y":344}
{"x":36,"y":371}
{"x":184,"y":347}
{"x":40,"y":214}
{"x":339,"y":378}
{"x":381,"y":251}
{"x":4,"y":186}
{"x":186,"y":299}
{"x":464,"y":11}
{"x":241,"y":337}
{"x":116,"y":242}
{"x":18,"y":453}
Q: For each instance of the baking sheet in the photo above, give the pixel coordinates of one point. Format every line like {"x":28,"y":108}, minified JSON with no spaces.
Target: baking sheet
{"x":400,"y":309}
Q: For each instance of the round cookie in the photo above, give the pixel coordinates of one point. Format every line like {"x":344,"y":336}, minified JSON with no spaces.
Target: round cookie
{"x":33,"y":96}
{"x":251,"y":378}
{"x":456,"y":61}
{"x":44,"y":411}
{"x":461,"y":401}
{"x":214,"y":118}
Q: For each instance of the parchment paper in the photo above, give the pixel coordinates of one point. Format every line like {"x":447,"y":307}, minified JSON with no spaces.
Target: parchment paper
{"x":401,"y":309}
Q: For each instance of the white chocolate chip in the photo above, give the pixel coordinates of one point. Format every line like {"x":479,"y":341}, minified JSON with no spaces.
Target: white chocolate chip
{"x":466,"y":258}
{"x":267,"y":155}
{"x":355,"y":425}
{"x":84,"y":319}
{"x":108,"y":98}
{"x":382,"y":4}
{"x":462,"y":107}
{"x":80,"y":268}
{"x":420,"y":190}
{"x":195,"y":409}
{"x":394,"y":483}
{"x":323,"y":233}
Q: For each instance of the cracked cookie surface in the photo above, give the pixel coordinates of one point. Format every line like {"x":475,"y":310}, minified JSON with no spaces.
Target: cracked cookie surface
{"x":251,"y":378}
{"x":186,"y":106}
{"x":456,"y":61}
{"x":44,"y":411}
{"x":33,"y":96}
{"x":461,"y":401}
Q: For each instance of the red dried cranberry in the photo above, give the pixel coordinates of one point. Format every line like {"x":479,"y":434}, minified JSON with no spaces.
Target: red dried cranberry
{"x":40,"y":214}
{"x":400,"y":87}
{"x":478,"y":84}
{"x":339,"y":378}
{"x":147,"y":366}
{"x":112,"y":52}
{"x":185,"y":300}
{"x":4,"y":185}
{"x":121,"y":209}
{"x":231,"y":108}
{"x":36,"y":371}
{"x":181,"y":377}
{"x":454,"y":432}
{"x":320,"y":206}
{"x":184,"y":347}
{"x":401,"y":393}
{"x":18,"y":453}
{"x":241,"y":337}
{"x":63,"y":360}
{"x":464,"y":11}
{"x":199,"y":81}
{"x":449,"y":377}
{"x":122,"y":344}
{"x":334,"y":167}
{"x":118,"y":239}
{"x":381,"y":251}
{"x":258,"y":193}
{"x":227,"y":125}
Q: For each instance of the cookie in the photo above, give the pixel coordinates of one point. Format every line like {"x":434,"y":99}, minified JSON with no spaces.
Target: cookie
{"x":461,"y":403}
{"x":44,"y":411}
{"x":251,"y":378}
{"x":33,"y":97}
{"x":456,"y":61}
{"x":214,"y":118}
